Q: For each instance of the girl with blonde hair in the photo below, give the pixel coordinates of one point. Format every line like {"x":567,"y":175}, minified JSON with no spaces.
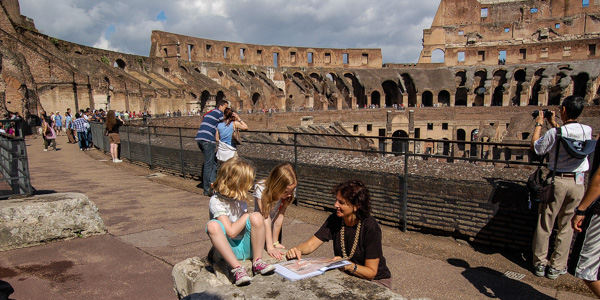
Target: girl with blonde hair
{"x":234,"y":233}
{"x":272,"y":197}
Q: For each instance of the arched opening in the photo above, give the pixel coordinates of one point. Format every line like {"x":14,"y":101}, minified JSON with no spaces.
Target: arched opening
{"x":220,"y":96}
{"x":499,"y":80}
{"x":580,"y":84}
{"x":410,"y":89}
{"x":184,"y":69}
{"x":120,"y":63}
{"x":537,"y":87}
{"x":235,"y":72}
{"x":289,"y":103}
{"x":392,"y":93}
{"x":474,"y":138}
{"x":461,"y":136}
{"x":460,"y":78}
{"x":400,"y":146}
{"x":461,"y":97}
{"x":359,"y":90}
{"x":519,"y":78}
{"x":479,"y":87}
{"x":166,"y":52}
{"x":444,"y":98}
{"x":251,"y":73}
{"x":256,"y":98}
{"x":437,"y":56}
{"x":375,"y":99}
{"x":197,"y":70}
{"x":203,"y":99}
{"x":427,"y":98}
{"x":560,"y":83}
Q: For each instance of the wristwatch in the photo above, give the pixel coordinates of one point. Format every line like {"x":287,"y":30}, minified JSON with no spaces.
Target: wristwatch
{"x":538,"y":124}
{"x":579,"y":212}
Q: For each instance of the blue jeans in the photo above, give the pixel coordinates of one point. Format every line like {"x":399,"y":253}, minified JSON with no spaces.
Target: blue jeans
{"x":209,"y":169}
{"x":81,"y":136}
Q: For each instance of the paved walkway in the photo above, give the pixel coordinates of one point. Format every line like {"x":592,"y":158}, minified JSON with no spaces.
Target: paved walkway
{"x":155,"y":221}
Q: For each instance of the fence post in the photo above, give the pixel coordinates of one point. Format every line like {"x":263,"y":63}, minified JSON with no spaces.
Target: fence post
{"x":181,"y":153}
{"x":149,"y":147}
{"x":296,"y":160}
{"x":128,"y":144}
{"x":405,"y":193}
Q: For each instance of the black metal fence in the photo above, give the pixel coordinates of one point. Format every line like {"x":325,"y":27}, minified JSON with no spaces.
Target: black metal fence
{"x":175,"y":150}
{"x":14,"y":167}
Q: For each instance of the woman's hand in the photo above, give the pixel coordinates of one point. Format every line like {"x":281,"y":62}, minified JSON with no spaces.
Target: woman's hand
{"x":293,"y":253}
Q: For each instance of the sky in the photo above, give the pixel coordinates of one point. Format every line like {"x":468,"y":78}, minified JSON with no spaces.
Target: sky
{"x":394,"y":26}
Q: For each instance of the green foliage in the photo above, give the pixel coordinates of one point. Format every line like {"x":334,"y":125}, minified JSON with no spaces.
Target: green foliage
{"x":54,"y":41}
{"x":105,"y":60}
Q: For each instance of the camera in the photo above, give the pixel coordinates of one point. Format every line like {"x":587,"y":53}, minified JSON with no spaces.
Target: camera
{"x":547,"y":113}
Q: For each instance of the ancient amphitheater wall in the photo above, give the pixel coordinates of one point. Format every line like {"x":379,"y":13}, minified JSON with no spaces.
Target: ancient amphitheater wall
{"x":172,"y":46}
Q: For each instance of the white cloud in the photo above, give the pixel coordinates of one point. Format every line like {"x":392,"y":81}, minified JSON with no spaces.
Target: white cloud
{"x":395,"y":26}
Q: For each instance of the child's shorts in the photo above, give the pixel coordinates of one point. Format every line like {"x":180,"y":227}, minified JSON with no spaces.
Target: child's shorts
{"x":241,"y":244}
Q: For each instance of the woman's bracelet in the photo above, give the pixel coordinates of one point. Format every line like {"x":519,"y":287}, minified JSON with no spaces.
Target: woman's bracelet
{"x":276,"y":243}
{"x":354,"y":270}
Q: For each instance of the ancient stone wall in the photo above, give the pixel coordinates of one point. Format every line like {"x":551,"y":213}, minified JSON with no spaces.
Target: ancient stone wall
{"x":492,"y":211}
{"x":173,"y":47}
{"x":477,"y":32}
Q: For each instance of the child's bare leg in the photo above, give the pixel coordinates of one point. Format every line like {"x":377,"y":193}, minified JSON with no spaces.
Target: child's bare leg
{"x":218,"y":239}
{"x":257,"y":235}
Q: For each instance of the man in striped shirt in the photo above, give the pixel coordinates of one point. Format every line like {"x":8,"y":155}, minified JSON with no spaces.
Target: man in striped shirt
{"x":80,"y":127}
{"x":206,"y":142}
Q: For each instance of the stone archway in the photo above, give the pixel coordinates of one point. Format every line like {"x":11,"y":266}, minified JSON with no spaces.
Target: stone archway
{"x":400,"y":145}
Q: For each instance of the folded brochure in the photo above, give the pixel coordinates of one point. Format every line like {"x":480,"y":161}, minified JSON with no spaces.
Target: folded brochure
{"x":307,"y":267}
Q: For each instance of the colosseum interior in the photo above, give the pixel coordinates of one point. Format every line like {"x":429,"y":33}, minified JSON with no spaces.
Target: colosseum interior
{"x":484,"y":75}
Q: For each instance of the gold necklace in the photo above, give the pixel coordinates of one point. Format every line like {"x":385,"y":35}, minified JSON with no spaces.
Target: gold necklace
{"x":344,"y":256}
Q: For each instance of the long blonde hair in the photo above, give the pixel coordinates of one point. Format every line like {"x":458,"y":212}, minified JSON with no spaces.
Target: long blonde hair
{"x":235,"y":178}
{"x":282,"y":176}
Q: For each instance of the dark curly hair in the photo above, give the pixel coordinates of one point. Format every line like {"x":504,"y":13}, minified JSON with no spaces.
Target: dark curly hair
{"x":355,"y":192}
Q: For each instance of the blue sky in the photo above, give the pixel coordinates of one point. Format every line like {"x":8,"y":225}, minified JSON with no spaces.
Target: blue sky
{"x":395,"y":26}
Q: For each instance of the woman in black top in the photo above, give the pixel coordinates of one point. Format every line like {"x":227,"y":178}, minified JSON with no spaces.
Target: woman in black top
{"x":355,"y":234}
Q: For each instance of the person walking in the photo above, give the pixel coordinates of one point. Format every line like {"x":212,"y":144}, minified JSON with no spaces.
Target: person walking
{"x":69,"y":127}
{"x":205,"y":137}
{"x":568,"y":187}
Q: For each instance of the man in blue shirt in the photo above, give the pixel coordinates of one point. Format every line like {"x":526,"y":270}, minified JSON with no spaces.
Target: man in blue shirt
{"x":206,"y":142}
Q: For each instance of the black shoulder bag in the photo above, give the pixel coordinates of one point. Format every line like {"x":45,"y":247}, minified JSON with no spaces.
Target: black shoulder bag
{"x":539,"y":190}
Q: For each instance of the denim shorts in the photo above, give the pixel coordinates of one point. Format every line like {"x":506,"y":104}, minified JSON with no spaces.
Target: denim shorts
{"x":241,"y":244}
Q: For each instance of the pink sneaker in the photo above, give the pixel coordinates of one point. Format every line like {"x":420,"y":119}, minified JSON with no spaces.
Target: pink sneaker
{"x":241,"y":276}
{"x":259,"y":266}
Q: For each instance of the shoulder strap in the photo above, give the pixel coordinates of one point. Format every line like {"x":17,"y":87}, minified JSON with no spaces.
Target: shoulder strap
{"x":557,"y":142}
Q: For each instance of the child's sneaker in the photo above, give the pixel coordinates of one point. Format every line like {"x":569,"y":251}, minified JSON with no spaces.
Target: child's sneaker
{"x":259,"y":266}
{"x":241,"y":276}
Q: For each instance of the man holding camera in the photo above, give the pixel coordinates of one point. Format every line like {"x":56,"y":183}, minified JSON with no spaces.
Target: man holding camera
{"x":568,"y":186}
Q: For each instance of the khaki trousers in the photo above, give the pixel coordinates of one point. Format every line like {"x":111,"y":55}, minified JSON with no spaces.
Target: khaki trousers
{"x":567,"y":196}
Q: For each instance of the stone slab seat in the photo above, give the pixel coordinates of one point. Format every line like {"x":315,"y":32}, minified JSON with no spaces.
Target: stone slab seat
{"x":196,"y":278}
{"x":34,"y":220}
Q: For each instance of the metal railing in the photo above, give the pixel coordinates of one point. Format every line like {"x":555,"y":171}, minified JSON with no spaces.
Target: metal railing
{"x":14,"y":167}
{"x":174,"y":149}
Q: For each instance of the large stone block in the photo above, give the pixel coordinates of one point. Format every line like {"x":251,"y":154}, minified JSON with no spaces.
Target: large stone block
{"x":195,"y":278}
{"x":30,"y":221}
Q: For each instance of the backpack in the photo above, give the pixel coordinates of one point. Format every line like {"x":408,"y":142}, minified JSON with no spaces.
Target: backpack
{"x":539,"y":190}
